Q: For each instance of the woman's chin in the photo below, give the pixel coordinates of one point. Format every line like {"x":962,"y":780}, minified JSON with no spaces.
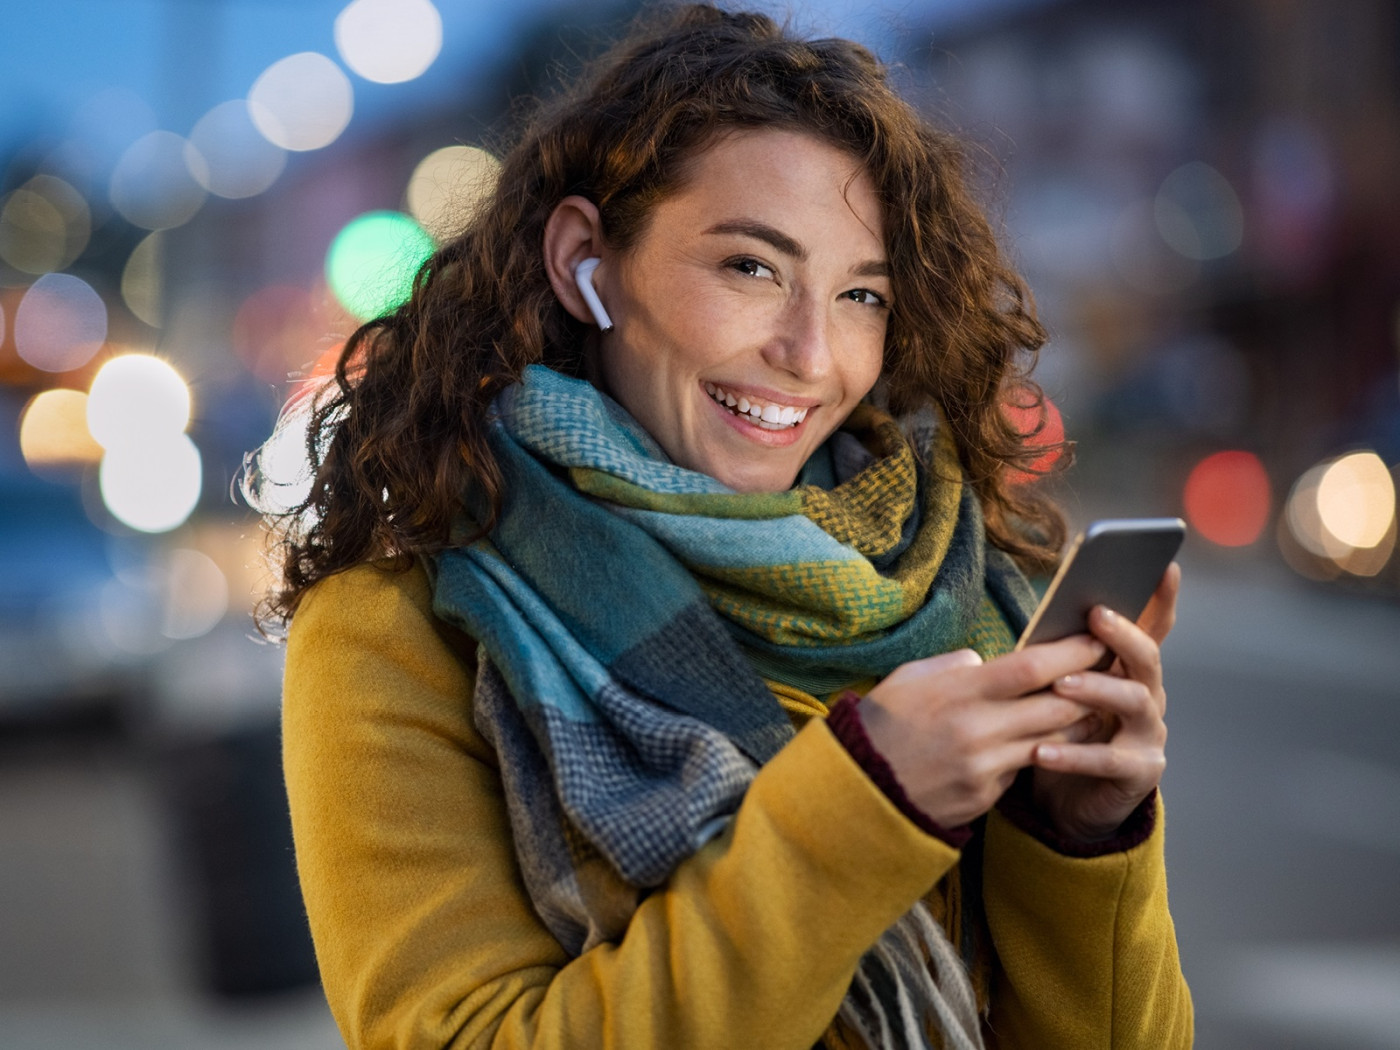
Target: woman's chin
{"x":752,"y":477}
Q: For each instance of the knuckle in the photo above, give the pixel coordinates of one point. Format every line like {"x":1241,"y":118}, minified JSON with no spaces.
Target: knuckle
{"x":1113,"y":764}
{"x":1139,"y":700}
{"x":982,"y":770}
{"x":1033,"y":671}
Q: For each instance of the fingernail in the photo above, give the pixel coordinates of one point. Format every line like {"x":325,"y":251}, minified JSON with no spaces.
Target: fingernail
{"x":1048,"y":751}
{"x":1071,"y":681}
{"x":1108,"y":614}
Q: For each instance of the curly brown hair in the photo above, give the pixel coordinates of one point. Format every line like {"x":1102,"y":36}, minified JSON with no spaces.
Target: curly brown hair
{"x":400,"y":439}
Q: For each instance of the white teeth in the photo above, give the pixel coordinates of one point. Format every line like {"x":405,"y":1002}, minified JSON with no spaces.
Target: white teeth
{"x":769,"y":417}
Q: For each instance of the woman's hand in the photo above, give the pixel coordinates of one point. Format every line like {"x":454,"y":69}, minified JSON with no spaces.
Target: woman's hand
{"x":956,"y":731}
{"x":1088,"y":788}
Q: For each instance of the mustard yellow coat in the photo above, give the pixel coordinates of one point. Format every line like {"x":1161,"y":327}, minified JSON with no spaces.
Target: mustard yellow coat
{"x":426,"y":938}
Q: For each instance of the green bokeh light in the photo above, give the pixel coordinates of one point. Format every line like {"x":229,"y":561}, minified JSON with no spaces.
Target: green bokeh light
{"x":371,"y":263}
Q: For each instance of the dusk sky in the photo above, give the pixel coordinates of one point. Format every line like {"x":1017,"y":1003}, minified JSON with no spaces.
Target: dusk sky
{"x":114,"y":69}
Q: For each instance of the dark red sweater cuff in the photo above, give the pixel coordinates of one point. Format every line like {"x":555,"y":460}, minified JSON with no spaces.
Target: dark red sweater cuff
{"x":844,"y":721}
{"x":1019,"y":808}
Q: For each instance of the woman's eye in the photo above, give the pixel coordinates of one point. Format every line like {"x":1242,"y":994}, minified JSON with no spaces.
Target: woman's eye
{"x":751,"y":267}
{"x":865,"y":295}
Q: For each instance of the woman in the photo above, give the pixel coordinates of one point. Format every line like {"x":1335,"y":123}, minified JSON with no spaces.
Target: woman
{"x":646,"y":677}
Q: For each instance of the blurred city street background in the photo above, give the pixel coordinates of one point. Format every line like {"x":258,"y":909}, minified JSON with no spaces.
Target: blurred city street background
{"x":199,"y":201}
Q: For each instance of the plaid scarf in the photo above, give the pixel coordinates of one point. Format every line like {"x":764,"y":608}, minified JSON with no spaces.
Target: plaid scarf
{"x":628,"y":611}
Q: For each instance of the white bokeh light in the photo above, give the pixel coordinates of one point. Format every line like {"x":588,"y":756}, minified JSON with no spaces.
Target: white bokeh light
{"x":1356,"y":499}
{"x":302,"y":102}
{"x":152,"y":486}
{"x":229,"y":157}
{"x":389,"y":41}
{"x":449,"y":186}
{"x":152,"y":185}
{"x":137,"y":399}
{"x":284,"y":476}
{"x":196,"y":594}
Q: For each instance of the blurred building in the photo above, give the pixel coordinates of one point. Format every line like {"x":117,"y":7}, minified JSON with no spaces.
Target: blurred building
{"x":1203,"y":197}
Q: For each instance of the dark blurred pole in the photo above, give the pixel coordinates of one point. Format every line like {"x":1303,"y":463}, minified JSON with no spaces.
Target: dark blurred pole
{"x":229,"y":810}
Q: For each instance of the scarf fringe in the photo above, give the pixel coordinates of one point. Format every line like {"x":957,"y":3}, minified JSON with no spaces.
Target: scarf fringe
{"x":933,"y":1005}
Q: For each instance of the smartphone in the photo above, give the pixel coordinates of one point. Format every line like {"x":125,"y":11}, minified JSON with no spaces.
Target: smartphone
{"x":1116,"y":562}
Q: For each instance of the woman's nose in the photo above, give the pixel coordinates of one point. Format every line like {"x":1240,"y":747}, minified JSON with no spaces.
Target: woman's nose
{"x":802,"y":346}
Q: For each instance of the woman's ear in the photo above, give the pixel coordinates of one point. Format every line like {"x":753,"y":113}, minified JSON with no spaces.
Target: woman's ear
{"x":573,"y":232}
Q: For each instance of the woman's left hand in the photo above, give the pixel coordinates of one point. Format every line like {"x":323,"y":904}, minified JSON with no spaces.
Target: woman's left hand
{"x":1088,"y":789}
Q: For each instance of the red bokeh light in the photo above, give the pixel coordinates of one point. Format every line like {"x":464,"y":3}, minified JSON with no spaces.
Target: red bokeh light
{"x":1028,"y":418}
{"x":1228,"y":498}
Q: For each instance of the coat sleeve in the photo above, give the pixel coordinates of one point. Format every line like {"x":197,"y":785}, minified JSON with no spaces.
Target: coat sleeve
{"x":423,"y":931}
{"x":1086,"y":947}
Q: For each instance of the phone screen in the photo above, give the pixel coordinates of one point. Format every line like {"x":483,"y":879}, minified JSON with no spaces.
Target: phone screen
{"x":1115,"y":562}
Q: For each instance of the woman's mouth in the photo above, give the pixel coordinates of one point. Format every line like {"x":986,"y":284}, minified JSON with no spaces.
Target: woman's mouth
{"x":764,"y":414}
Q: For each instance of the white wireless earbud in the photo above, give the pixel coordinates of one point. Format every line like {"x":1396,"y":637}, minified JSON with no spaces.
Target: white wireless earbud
{"x":583,"y":277}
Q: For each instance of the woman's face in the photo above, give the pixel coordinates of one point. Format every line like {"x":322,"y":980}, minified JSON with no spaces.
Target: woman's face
{"x":750,"y":315}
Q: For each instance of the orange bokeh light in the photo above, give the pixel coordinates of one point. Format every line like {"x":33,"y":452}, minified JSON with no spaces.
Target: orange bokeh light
{"x":1228,"y":498}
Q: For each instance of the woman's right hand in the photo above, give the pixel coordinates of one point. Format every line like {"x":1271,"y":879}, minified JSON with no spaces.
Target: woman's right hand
{"x":956,"y":730}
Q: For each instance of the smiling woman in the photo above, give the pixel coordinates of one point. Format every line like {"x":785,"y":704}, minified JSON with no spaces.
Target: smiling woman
{"x":758,"y":292}
{"x":649,"y":675}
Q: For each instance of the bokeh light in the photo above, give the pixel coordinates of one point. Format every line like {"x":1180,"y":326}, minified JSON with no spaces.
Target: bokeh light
{"x":1304,"y":520}
{"x":128,"y":612}
{"x":1356,"y":499}
{"x":1342,"y":512}
{"x":372,"y":261}
{"x":389,"y":41}
{"x":60,"y":324}
{"x":302,"y":102}
{"x":196,"y":594}
{"x":1143,"y":260}
{"x":136,"y":400}
{"x":44,"y":225}
{"x":1043,"y":426}
{"x":449,"y":186}
{"x":275,"y":331}
{"x":229,"y":157}
{"x":143,"y":280}
{"x":1198,"y":212}
{"x":283,"y":469}
{"x":152,"y":486}
{"x":53,"y":430}
{"x":1227,"y":498}
{"x":152,"y":185}
{"x":1369,"y":561}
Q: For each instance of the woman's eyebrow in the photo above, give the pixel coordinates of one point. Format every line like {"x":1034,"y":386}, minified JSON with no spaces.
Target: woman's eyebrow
{"x":762,"y":231}
{"x":781,"y":242}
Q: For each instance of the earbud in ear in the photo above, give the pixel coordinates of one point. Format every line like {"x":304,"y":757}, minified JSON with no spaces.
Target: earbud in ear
{"x":583,"y":277}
